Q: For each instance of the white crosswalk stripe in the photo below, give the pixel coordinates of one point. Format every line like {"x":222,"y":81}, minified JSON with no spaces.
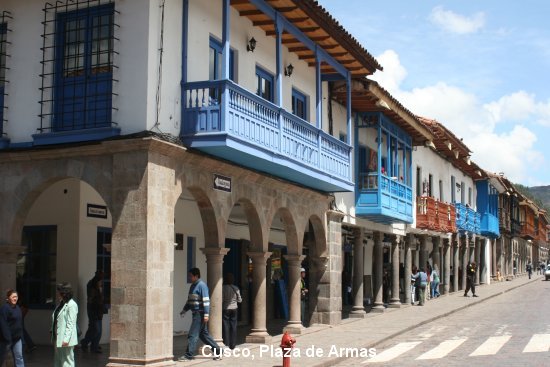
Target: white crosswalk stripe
{"x":443,"y":349}
{"x":393,"y":352}
{"x":538,"y":343}
{"x":491,"y":346}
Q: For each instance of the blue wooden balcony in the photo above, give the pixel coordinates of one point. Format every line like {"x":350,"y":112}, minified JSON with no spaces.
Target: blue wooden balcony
{"x":489,"y":225}
{"x":392,"y":203}
{"x":467,"y":219}
{"x":225,"y":120}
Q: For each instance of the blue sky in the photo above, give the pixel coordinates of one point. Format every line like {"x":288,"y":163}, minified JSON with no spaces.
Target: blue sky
{"x":481,"y":68}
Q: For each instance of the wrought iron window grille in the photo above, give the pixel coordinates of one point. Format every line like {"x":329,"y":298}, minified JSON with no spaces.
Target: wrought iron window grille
{"x":5,"y":17}
{"x":79,"y":52}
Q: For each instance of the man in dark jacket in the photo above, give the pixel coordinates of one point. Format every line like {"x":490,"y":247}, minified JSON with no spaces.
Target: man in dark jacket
{"x":11,"y":330}
{"x":94,"y":308}
{"x":471,"y":279}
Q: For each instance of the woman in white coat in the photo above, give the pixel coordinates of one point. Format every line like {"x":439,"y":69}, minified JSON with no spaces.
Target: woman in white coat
{"x":64,"y":331}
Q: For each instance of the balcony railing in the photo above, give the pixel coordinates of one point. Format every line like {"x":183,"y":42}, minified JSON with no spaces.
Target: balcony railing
{"x":528,"y":230}
{"x":434,"y":215}
{"x":516,"y":227}
{"x":489,"y":225}
{"x":254,"y":132}
{"x":505,"y":222}
{"x":467,"y":219}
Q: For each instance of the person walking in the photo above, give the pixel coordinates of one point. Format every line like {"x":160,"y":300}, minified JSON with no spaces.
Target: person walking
{"x":95,"y":309}
{"x":198,"y":302}
{"x":434,"y":286}
{"x":64,"y":332}
{"x":529,"y":269}
{"x":303,"y":295}
{"x":11,"y":330}
{"x":231,"y":296}
{"x":421,"y":280}
{"x":470,"y":279}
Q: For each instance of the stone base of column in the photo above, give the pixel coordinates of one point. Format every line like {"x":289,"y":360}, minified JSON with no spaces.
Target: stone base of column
{"x":378,"y":308}
{"x":131,"y":362}
{"x":326,"y":317}
{"x":394,"y":303}
{"x":294,"y":327}
{"x":357,"y":312}
{"x":258,"y":337}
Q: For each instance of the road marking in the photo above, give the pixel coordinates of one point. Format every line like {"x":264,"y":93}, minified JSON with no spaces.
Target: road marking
{"x":443,"y":349}
{"x":392,"y":353}
{"x":491,"y":346}
{"x":538,"y":343}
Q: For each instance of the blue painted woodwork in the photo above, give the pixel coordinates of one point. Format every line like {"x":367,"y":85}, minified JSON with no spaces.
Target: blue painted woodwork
{"x":257,"y":134}
{"x":299,"y":104}
{"x":487,"y":207}
{"x":83,"y":69}
{"x":467,"y":219}
{"x":383,"y":187}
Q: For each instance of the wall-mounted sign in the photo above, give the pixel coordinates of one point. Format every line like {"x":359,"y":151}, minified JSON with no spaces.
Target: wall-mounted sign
{"x":222,"y":183}
{"x":96,"y":211}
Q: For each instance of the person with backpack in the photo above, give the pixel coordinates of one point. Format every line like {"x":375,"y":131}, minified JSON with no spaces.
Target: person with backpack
{"x":231,"y":297}
{"x":421,"y":281}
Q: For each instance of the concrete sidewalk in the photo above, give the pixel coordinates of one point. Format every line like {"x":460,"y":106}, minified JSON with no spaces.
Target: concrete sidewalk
{"x":320,"y":344}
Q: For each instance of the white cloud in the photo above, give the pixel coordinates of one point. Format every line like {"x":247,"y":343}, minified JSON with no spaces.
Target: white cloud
{"x":511,"y":151}
{"x":456,"y":23}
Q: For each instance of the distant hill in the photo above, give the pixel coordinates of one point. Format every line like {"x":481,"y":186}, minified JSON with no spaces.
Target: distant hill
{"x":541,"y":193}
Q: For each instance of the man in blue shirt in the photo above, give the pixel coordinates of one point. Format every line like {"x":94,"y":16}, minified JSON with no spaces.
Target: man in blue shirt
{"x":198,"y":302}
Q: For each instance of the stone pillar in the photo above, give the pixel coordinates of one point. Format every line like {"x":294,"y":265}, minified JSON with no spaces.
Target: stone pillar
{"x":8,"y":263}
{"x":328,"y":275}
{"x":484,"y":259}
{"x":408,"y":267}
{"x":436,"y":241}
{"x":465,"y":258}
{"x":214,"y":280}
{"x":477,"y":256}
{"x":446,"y":265}
{"x":142,"y":260}
{"x":456,"y":260}
{"x":378,"y":263}
{"x":358,"y":310}
{"x":494,"y":257}
{"x":258,"y":333}
{"x":423,"y":253}
{"x":394,"y":300}
{"x":294,"y":324}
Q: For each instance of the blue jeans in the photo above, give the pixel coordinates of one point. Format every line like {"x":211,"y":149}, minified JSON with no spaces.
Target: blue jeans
{"x":17,"y":351}
{"x":198,"y":330}
{"x":434,"y":288}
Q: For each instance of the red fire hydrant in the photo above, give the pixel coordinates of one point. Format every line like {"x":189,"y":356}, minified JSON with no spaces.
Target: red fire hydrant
{"x":287,"y":343}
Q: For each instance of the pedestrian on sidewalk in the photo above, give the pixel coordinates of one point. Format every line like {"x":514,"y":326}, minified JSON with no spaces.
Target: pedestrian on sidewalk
{"x":95,"y":309}
{"x":421,"y":281}
{"x":303,"y":295}
{"x":529,"y":269}
{"x":470,"y":279}
{"x":198,"y":302}
{"x":434,"y":286}
{"x":11,"y":330}
{"x":414,"y":295}
{"x":231,"y":297}
{"x":64,"y":332}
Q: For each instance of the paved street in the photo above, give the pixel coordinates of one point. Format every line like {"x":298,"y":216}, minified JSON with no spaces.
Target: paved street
{"x":510,"y":330}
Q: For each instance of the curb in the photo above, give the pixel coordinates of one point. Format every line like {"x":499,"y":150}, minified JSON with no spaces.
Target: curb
{"x":337,"y":360}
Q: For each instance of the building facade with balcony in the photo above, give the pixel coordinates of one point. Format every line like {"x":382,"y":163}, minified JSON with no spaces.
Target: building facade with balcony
{"x":156,"y":136}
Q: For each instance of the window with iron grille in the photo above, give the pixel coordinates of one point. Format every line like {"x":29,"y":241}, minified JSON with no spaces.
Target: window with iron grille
{"x":77,"y":77}
{"x":4,"y":17}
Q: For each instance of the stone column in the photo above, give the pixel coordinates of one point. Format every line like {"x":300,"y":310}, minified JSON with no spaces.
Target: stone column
{"x":394,"y":300}
{"x":378,"y":260}
{"x":436,"y":241}
{"x":447,"y":265}
{"x":494,"y":257}
{"x":408,"y":267}
{"x":456,"y":260}
{"x":142,"y":260}
{"x":477,"y":256}
{"x":214,"y":280}
{"x":423,"y":253}
{"x":294,"y":324}
{"x":258,"y":333}
{"x":483,"y":259}
{"x":465,"y":258}
{"x":358,"y":310}
{"x":8,"y":263}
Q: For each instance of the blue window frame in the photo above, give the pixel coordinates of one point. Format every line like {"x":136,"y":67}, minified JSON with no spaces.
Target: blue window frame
{"x":299,"y":105}
{"x":103,"y":261}
{"x":3,"y":51}
{"x":84,"y":68}
{"x":36,"y":267}
{"x":264,"y":87}
{"x":215,"y":63}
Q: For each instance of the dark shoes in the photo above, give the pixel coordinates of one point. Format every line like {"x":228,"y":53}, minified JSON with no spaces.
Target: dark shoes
{"x":83,"y":346}
{"x":474,"y":295}
{"x":465,"y":295}
{"x":184,"y":358}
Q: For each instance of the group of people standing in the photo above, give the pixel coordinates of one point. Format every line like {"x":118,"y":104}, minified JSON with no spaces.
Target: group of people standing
{"x":424,"y":283}
{"x":64,"y":329}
